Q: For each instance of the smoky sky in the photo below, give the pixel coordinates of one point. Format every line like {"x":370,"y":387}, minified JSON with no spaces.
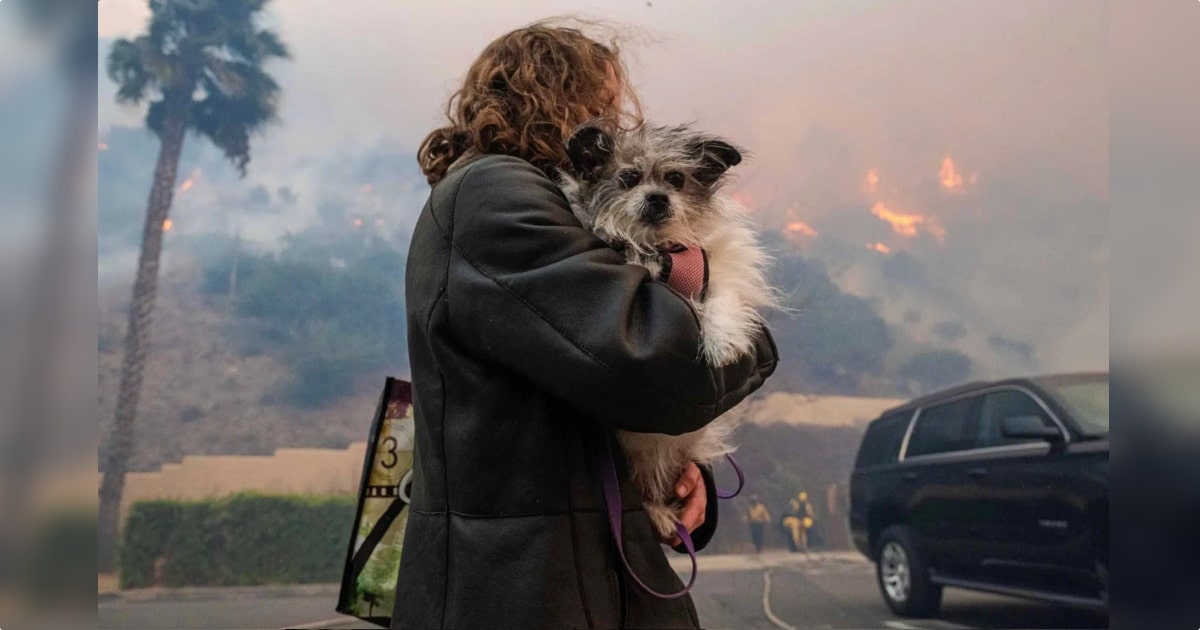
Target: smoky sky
{"x":1009,"y":266}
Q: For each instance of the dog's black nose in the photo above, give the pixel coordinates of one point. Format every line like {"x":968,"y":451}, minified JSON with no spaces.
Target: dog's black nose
{"x":658,"y":207}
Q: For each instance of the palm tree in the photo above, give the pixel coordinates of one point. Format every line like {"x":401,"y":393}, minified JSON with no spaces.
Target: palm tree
{"x":200,"y":67}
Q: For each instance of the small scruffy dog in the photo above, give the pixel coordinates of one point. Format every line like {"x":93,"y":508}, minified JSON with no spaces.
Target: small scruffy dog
{"x":654,"y":190}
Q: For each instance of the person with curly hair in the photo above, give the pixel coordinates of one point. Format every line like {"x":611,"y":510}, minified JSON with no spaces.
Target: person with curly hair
{"x":530,"y":342}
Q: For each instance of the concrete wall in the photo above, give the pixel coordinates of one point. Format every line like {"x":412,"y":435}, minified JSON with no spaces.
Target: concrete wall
{"x":288,"y":471}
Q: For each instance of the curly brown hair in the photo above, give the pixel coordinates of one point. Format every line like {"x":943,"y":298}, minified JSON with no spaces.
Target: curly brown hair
{"x":525,"y":94}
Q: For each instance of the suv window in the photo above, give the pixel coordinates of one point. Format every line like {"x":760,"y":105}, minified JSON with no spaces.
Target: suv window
{"x":881,"y":443}
{"x":1005,"y":404}
{"x":944,"y":428}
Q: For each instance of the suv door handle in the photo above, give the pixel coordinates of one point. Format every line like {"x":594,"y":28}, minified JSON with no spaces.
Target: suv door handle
{"x":910,"y":476}
{"x":976,"y":473}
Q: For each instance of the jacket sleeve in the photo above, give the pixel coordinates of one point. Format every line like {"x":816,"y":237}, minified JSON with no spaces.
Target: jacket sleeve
{"x":531,"y":289}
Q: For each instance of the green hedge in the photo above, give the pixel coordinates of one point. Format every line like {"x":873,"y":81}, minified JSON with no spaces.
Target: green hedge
{"x":242,"y":539}
{"x":147,"y":530}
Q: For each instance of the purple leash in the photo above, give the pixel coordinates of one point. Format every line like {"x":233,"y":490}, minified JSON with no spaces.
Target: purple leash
{"x":741,"y":479}
{"x":612,"y":499}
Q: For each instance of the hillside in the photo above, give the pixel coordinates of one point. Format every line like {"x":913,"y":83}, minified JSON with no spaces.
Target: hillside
{"x":202,"y":396}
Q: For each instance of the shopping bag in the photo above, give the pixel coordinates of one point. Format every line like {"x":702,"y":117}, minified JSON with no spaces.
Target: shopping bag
{"x":377,"y":535}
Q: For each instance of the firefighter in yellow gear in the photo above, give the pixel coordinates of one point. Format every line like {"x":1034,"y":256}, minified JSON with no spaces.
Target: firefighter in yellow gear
{"x":798,"y":520}
{"x":759,"y":517}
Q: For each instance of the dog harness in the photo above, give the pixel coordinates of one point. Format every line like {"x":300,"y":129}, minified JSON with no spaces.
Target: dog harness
{"x":685,"y":269}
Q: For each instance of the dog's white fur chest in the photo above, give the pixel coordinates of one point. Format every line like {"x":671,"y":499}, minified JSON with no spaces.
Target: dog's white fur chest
{"x":730,"y":317}
{"x":659,"y":186}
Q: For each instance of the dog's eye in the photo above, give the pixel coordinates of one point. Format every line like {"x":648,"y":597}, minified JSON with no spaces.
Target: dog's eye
{"x":675,"y":179}
{"x":629,"y":178}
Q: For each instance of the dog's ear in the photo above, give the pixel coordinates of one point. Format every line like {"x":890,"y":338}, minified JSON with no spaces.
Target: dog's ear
{"x":589,"y":149}
{"x":716,"y":156}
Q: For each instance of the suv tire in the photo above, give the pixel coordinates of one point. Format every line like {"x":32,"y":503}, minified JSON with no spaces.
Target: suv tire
{"x":902,"y":572}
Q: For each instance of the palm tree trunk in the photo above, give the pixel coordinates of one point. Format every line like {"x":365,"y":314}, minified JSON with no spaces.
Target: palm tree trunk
{"x":137,"y":337}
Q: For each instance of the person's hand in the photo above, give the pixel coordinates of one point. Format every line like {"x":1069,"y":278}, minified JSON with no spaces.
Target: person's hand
{"x":690,"y":488}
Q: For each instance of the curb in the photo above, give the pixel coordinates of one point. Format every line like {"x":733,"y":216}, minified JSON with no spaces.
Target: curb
{"x":220,"y":593}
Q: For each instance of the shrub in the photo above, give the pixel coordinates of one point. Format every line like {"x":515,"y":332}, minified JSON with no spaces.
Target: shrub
{"x":242,"y":539}
{"x":148,"y":529}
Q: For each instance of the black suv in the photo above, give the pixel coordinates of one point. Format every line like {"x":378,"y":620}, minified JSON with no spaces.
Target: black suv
{"x":999,"y":487}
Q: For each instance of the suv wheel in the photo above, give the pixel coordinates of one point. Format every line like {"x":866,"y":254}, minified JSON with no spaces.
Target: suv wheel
{"x":903,"y":575}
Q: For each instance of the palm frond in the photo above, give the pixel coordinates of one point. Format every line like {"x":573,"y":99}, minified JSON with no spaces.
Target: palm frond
{"x":209,"y":54}
{"x":253,"y":46}
{"x":228,"y":117}
{"x":270,"y":45}
{"x":240,"y":80}
{"x":156,"y":116}
{"x":127,"y":68}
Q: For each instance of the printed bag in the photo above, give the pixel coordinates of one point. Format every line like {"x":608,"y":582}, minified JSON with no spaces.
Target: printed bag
{"x":377,"y":536}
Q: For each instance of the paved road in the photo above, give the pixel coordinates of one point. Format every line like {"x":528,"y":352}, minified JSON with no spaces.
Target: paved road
{"x":772,"y":592}
{"x":826,"y":595}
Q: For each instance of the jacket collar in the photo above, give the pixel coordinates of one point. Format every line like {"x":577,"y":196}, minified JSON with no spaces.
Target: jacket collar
{"x":470,"y":155}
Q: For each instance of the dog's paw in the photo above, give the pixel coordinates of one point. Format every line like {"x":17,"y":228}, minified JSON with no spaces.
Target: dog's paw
{"x":727,"y":329}
{"x":663,"y":518}
{"x":654,"y":266}
{"x":719,"y":352}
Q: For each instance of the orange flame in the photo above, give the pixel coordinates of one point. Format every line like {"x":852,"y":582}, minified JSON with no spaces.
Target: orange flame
{"x":103,"y":146}
{"x":879,"y":247}
{"x":902,"y":224}
{"x":189,"y":182}
{"x":949,"y":176}
{"x":358,"y":223}
{"x":872,"y":180}
{"x":167,"y":223}
{"x":802,"y":228}
{"x":907,"y":224}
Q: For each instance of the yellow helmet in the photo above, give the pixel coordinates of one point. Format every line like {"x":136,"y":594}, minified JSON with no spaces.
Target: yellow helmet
{"x":808,"y":522}
{"x":803,"y":496}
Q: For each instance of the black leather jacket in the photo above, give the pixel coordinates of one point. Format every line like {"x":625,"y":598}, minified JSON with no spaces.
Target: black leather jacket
{"x":529,"y":340}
